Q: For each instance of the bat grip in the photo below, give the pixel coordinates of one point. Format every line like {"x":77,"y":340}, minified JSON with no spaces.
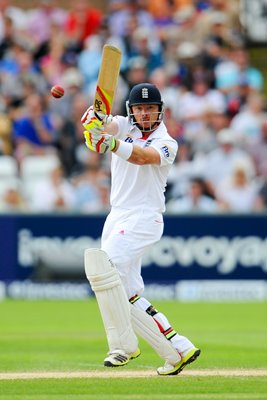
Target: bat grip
{"x":98,"y":117}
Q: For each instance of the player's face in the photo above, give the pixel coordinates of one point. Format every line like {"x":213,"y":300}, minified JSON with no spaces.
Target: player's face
{"x":146,"y":115}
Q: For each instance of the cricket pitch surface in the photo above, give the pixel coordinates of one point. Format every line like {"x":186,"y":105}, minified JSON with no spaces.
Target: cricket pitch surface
{"x":129,"y":374}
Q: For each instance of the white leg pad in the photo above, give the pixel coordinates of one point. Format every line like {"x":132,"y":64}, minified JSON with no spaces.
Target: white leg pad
{"x":112,"y":301}
{"x":145,"y":326}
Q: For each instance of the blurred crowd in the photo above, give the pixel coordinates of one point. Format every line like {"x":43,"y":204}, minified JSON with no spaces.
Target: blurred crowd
{"x":194,"y":51}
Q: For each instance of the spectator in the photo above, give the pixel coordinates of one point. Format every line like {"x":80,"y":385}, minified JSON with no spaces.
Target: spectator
{"x":41,"y":20}
{"x":127,"y":37}
{"x":92,"y":188}
{"x":225,"y":12}
{"x":121,"y":12}
{"x":174,"y":127}
{"x":16,"y":14}
{"x":262,"y":192}
{"x":147,"y":46}
{"x":214,"y":52}
{"x":236,"y":77}
{"x":72,"y":81}
{"x":51,"y":56}
{"x":12,"y":200}
{"x":196,"y":108}
{"x":70,"y":139}
{"x":186,"y":18}
{"x":219,"y":31}
{"x":238,"y":193}
{"x":108,"y":37}
{"x":136,"y":72}
{"x":187,"y":59}
{"x":6,"y":146}
{"x":90,"y":55}
{"x":83,"y":21}
{"x":217,"y":122}
{"x":19,"y":75}
{"x":7,"y":38}
{"x":34,"y":132}
{"x":181,"y":171}
{"x":258,"y":149}
{"x":248,"y":122}
{"x":196,"y":201}
{"x":219,"y":164}
{"x":163,"y":12}
{"x":170,"y":94}
{"x":56,"y":194}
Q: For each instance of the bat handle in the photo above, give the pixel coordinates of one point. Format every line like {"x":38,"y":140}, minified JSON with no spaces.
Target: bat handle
{"x":98,"y":117}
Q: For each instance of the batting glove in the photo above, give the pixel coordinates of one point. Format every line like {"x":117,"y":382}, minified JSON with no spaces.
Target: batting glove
{"x":90,"y":116}
{"x":98,"y":141}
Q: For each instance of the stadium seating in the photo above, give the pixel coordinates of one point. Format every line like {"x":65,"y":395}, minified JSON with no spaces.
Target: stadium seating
{"x":35,"y":169}
{"x":9,"y":173}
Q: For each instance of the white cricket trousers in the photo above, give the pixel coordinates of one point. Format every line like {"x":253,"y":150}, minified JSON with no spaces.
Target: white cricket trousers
{"x":126,"y":236}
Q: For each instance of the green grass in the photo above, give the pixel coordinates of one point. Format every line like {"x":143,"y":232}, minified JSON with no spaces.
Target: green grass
{"x":68,"y":336}
{"x":143,"y":389}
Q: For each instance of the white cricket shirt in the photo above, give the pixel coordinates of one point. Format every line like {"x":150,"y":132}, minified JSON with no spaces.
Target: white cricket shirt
{"x":141,"y":187}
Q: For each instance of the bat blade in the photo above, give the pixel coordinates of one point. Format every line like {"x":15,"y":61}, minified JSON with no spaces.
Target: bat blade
{"x":107,"y":79}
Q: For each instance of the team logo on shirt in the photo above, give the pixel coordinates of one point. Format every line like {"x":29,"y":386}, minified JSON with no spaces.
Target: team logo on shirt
{"x":165,"y":151}
{"x":148,"y":143}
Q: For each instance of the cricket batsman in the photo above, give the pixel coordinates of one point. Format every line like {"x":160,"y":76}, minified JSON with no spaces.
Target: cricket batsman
{"x":142,"y":155}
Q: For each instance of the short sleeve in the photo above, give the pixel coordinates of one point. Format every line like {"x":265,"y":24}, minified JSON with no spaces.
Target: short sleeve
{"x":167,"y":149}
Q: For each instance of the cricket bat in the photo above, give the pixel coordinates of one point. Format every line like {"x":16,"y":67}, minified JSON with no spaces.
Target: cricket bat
{"x":107,"y":80}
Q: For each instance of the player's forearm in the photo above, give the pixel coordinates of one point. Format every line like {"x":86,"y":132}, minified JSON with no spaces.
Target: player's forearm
{"x":141,"y":156}
{"x":135,"y":154}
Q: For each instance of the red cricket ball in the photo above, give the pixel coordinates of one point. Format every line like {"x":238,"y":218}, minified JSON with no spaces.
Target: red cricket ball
{"x":57,"y":91}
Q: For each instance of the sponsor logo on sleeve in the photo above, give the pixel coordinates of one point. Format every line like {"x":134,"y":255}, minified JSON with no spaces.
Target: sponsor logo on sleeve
{"x":165,"y":151}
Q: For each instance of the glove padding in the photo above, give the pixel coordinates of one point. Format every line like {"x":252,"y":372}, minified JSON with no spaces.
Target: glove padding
{"x":90,"y":116}
{"x":98,"y":141}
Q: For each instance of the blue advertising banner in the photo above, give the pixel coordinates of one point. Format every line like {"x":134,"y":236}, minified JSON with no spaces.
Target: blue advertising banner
{"x":212,"y":247}
{"x":46,"y":248}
